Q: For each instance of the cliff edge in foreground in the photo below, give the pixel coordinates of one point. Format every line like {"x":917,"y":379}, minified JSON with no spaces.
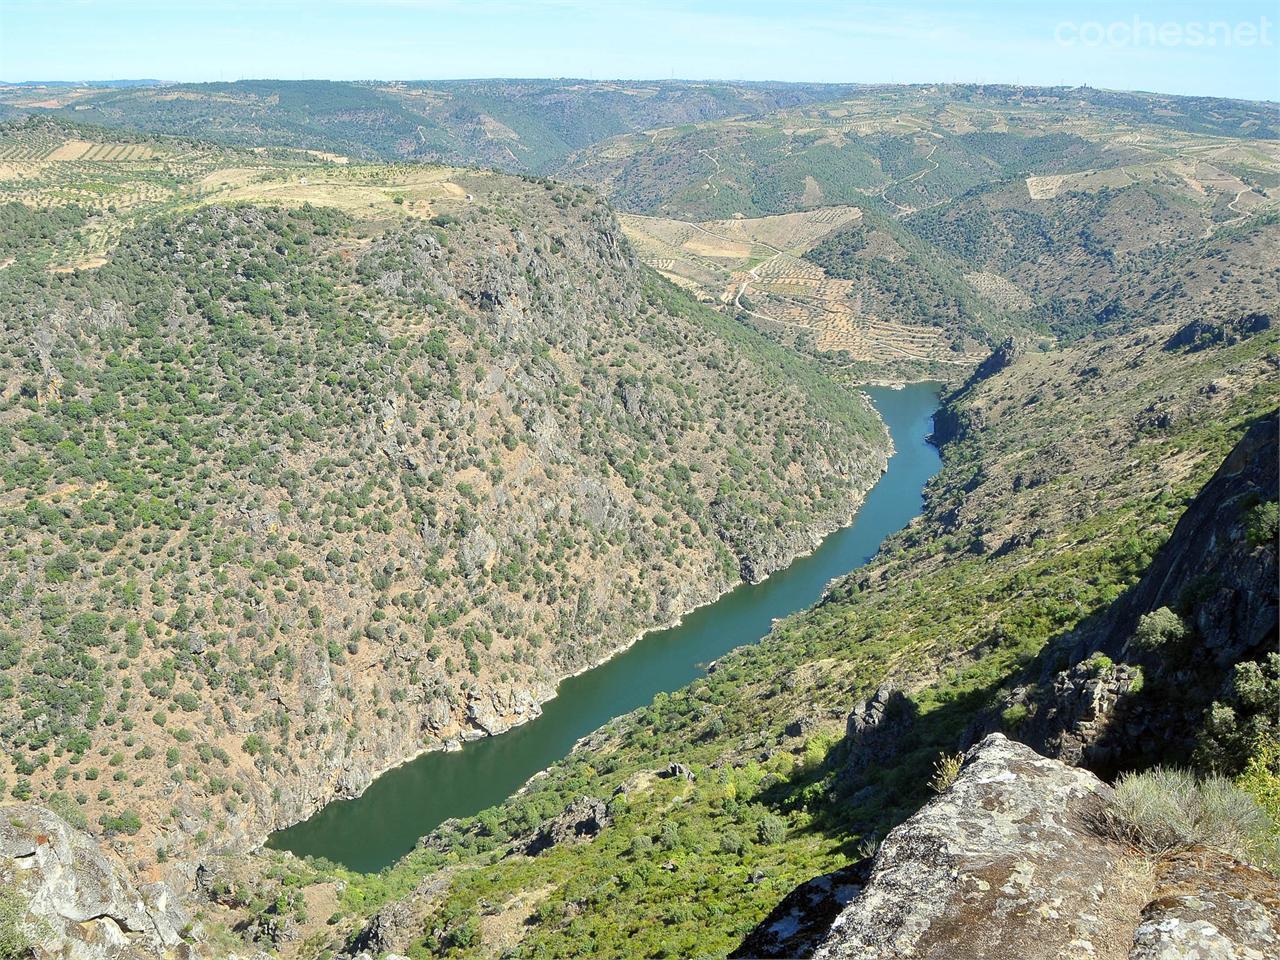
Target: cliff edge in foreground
{"x":1013,"y":860}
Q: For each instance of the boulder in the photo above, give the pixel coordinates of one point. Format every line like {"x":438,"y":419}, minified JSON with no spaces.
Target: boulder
{"x":1004,"y":864}
{"x":1009,"y":862}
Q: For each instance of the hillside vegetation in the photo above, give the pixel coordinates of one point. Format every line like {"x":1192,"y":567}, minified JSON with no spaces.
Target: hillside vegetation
{"x":290,"y":493}
{"x":311,"y":464}
{"x":513,"y":125}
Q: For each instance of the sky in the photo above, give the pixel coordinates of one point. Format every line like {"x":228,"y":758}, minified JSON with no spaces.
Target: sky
{"x":1174,"y":46}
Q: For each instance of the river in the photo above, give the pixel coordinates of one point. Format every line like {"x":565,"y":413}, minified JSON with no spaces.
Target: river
{"x":383,"y":824}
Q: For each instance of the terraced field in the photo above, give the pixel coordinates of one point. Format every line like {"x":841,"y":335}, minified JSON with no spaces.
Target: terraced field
{"x":120,"y":183}
{"x":754,"y":265}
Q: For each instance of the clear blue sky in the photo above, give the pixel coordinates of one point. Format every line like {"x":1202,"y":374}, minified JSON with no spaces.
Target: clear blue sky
{"x":1235,"y":54}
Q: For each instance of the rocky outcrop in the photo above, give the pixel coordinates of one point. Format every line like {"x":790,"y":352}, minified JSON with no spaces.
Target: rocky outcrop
{"x":395,"y":925}
{"x":1000,"y":358}
{"x":875,"y":728}
{"x":1003,"y":864}
{"x":1200,"y":334}
{"x":583,"y":819}
{"x":1213,"y":585}
{"x":1009,"y":862}
{"x":79,"y":900}
{"x":954,"y":420}
{"x":1085,"y":714}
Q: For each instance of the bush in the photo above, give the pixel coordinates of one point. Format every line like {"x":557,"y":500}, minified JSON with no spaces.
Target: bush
{"x":16,"y":938}
{"x":125,"y":822}
{"x":1157,"y":628}
{"x":1261,"y":778}
{"x":772,"y":829}
{"x":1235,"y":730}
{"x":1013,"y":716}
{"x":1262,"y":525}
{"x":1100,"y":665}
{"x":1165,"y":809}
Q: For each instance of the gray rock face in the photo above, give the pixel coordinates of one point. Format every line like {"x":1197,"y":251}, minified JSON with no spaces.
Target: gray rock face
{"x":81,"y":902}
{"x":1004,"y":864}
{"x":583,"y":819}
{"x":1009,"y":863}
{"x":1207,"y":906}
{"x":1081,"y":712}
{"x":801,"y":921}
{"x":396,"y":924}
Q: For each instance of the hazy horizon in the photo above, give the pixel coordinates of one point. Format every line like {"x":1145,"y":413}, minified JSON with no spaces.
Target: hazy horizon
{"x":1189,"y":48}
{"x":162,"y":81}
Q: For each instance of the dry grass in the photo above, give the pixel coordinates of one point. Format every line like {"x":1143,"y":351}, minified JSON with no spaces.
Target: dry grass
{"x":1163,"y":809}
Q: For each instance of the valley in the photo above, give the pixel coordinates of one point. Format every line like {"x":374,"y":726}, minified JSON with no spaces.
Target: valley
{"x":439,"y":475}
{"x":602,"y":518}
{"x":383,"y":824}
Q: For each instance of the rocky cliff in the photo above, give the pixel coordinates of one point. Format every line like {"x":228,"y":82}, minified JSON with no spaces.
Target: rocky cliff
{"x":1143,"y":673}
{"x":77,"y":900}
{"x":1012,"y":861}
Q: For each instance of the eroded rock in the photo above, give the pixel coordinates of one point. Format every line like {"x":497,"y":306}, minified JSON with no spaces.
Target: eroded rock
{"x":1004,"y":864}
{"x":80,"y":901}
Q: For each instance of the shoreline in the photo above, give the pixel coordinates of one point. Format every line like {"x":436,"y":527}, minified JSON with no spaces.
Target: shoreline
{"x":819,"y":536}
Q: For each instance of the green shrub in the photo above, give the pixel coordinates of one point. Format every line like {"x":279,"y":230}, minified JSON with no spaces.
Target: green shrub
{"x":1261,"y":779}
{"x":1013,"y":716}
{"x":772,"y":829}
{"x":1165,"y":809}
{"x":1235,"y":729}
{"x":1262,"y":524}
{"x":125,"y":822}
{"x":1158,"y":628}
{"x":16,"y":938}
{"x":1100,"y":665}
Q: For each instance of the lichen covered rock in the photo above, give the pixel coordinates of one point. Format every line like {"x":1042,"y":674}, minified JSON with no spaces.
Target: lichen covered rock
{"x":80,"y":901}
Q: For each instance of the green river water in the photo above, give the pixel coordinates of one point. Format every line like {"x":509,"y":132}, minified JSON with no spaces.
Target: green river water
{"x":384,"y":823}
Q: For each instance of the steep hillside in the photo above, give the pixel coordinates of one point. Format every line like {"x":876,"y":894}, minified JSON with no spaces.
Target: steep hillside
{"x":290,"y":494}
{"x":1065,"y":471}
